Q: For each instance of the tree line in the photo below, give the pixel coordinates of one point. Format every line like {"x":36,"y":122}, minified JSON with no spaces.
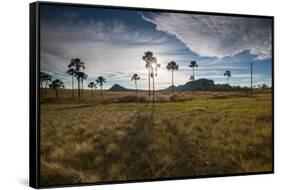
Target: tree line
{"x":76,"y":69}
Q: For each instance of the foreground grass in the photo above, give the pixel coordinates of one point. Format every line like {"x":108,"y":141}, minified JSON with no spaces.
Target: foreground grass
{"x":97,"y":141}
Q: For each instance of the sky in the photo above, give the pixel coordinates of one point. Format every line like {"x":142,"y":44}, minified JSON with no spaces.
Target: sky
{"x":111,"y":43}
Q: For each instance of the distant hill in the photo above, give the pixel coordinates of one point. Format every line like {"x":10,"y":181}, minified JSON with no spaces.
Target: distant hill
{"x":119,"y":88}
{"x":200,"y":84}
{"x":169,"y":89}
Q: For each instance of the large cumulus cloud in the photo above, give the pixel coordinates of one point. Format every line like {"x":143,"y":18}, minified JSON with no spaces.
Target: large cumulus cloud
{"x":218,"y":36}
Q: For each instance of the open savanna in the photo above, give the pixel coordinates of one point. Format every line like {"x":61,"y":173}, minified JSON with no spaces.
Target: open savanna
{"x":120,"y":137}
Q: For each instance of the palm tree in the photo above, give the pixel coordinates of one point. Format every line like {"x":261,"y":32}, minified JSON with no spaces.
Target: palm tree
{"x":92,"y":85}
{"x":56,"y":85}
{"x":193,"y":64}
{"x":44,"y":78}
{"x":84,"y":77}
{"x":228,"y":75}
{"x":100,"y":80}
{"x":76,"y":64}
{"x":71,"y":72}
{"x":173,"y":67}
{"x":81,"y":76}
{"x":149,"y":60}
{"x":135,"y":78}
{"x":154,"y":68}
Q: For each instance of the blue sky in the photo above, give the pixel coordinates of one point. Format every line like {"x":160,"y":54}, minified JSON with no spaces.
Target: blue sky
{"x":112,"y":43}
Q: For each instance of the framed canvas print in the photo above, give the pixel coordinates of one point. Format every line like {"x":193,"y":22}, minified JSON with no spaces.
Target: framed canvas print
{"x":120,"y":94}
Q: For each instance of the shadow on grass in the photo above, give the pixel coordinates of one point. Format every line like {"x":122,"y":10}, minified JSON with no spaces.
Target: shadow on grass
{"x":137,"y":144}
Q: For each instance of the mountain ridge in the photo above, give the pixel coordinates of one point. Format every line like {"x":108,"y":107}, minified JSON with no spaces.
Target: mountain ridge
{"x":199,"y":84}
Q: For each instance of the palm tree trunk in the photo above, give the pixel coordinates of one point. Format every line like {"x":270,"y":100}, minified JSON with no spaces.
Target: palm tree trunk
{"x":78,"y":80}
{"x":153,"y":88}
{"x":148,"y":84}
{"x":172,"y":81}
{"x":101,"y":90}
{"x":193,"y":74}
{"x":92,"y":92}
{"x":136,"y":87}
{"x":57,"y":93}
{"x":193,"y":79}
{"x":72,"y":86}
{"x":82,"y":87}
{"x":227,"y":80}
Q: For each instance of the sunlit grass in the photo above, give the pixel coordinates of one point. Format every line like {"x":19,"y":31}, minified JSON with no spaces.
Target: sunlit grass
{"x":105,"y":139}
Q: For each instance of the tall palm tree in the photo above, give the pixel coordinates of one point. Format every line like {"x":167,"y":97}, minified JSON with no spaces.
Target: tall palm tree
{"x":81,"y":76}
{"x":44,"y":78}
{"x":135,"y":78}
{"x":154,"y":68}
{"x":92,"y":85}
{"x":193,"y":64}
{"x":56,"y":85}
{"x":71,"y":72}
{"x":172,"y":66}
{"x":84,"y":77}
{"x":228,"y":75}
{"x":149,"y":59}
{"x":100,"y":80}
{"x":77,"y":65}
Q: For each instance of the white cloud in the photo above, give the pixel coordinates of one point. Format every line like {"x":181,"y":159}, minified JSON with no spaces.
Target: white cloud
{"x":112,"y":50}
{"x":218,"y":36}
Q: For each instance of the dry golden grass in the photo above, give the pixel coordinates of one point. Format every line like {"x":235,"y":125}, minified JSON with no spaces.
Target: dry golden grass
{"x":121,"y":137}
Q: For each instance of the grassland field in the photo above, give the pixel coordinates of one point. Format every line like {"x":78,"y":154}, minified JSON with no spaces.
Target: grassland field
{"x":121,"y":136}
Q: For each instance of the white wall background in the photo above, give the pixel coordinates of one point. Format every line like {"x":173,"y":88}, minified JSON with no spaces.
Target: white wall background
{"x":14,"y":75}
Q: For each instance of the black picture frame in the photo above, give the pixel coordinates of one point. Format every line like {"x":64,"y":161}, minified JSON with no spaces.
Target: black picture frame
{"x":34,"y":91}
